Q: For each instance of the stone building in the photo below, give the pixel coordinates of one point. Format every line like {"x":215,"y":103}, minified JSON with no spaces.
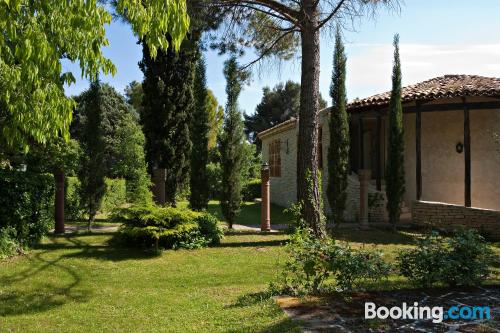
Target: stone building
{"x":451,"y":155}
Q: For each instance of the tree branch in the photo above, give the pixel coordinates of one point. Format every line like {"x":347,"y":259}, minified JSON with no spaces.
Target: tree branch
{"x":267,"y":50}
{"x":329,"y":17}
{"x":288,"y":13}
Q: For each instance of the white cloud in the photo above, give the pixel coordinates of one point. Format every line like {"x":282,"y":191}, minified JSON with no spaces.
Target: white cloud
{"x":370,"y":65}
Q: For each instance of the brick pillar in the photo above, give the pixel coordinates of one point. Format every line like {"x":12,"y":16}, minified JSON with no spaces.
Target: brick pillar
{"x":265,"y":220}
{"x":364,"y":181}
{"x":59,"y":202}
{"x":159,"y":177}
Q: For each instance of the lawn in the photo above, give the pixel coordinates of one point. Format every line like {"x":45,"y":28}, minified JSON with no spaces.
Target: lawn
{"x":79,"y":283}
{"x":250,"y":213}
{"x":82,"y":283}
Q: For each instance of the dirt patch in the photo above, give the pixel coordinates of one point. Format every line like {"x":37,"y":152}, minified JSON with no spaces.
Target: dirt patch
{"x":335,"y":313}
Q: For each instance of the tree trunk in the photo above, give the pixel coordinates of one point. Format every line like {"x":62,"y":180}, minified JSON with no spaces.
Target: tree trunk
{"x":59,"y":202}
{"x":307,"y":153}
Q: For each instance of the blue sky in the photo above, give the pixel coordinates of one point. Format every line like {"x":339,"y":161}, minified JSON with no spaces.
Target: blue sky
{"x":437,"y":37}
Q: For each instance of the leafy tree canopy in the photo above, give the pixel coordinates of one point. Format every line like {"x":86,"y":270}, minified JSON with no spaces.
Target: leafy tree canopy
{"x":36,"y":35}
{"x":115,"y":113}
{"x":277,"y":105}
{"x":215,"y":118}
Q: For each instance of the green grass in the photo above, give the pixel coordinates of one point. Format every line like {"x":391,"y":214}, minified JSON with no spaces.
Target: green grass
{"x":81,"y":284}
{"x":250,"y":213}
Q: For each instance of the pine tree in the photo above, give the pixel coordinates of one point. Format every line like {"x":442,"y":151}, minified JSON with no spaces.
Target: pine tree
{"x":92,"y":164}
{"x":167,"y":105}
{"x":395,"y":173}
{"x":231,"y":143}
{"x":198,"y":198}
{"x":338,"y":151}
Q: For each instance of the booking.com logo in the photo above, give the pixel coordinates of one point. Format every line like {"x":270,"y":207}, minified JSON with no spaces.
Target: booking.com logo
{"x":436,"y":313}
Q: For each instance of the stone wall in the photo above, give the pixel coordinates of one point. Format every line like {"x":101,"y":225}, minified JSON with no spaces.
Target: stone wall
{"x":451,"y":217}
{"x":284,"y":188}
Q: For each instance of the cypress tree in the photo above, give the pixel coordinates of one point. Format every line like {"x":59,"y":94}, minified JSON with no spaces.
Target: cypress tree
{"x":338,"y":151}
{"x":395,"y":173}
{"x":92,"y":164}
{"x":231,"y":143}
{"x":198,"y":198}
{"x":167,"y":105}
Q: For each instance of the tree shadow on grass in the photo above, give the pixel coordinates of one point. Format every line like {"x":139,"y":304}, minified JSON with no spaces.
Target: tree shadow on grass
{"x":374,"y":236}
{"x":265,"y":243}
{"x":113,"y":250}
{"x":44,"y":297}
{"x":243,"y":238}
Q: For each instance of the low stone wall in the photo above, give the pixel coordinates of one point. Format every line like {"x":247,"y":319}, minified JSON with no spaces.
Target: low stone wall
{"x":451,"y":217}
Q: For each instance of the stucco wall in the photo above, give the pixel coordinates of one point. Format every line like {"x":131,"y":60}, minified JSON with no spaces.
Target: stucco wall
{"x":443,"y":168}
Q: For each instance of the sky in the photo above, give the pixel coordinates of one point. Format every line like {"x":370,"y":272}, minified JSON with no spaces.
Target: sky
{"x":437,"y":37}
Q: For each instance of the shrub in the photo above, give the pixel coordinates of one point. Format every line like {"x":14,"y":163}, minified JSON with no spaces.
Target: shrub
{"x":8,"y":243}
{"x":72,"y":208}
{"x":468,"y":260}
{"x":167,"y":227}
{"x":461,"y":260}
{"x":115,"y":195}
{"x":252,"y":189}
{"x":423,"y":265}
{"x":26,"y":204}
{"x":352,"y":267}
{"x":313,"y":261}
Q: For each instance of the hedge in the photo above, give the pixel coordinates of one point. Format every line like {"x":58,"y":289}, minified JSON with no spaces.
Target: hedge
{"x":26,"y":204}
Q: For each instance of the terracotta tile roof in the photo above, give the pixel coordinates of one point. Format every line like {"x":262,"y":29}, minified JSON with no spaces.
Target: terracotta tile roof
{"x":447,"y":86}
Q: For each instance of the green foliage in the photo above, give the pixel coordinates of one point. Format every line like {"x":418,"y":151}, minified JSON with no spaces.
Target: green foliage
{"x":395,"y":173}
{"x":215,"y":119}
{"x":251,"y":163}
{"x":231,"y":143}
{"x":252,"y":189}
{"x":55,"y":156}
{"x":26,"y":205}
{"x":131,"y":161}
{"x":338,"y":151}
{"x":167,"y":227}
{"x":8,"y":243}
{"x":277,"y":105}
{"x":315,"y":264}
{"x":92,"y":162}
{"x":469,"y":259}
{"x":297,"y":219}
{"x":198,"y":198}
{"x":460,"y":260}
{"x":353,"y":267}
{"x":72,"y":205}
{"x":134,"y":96}
{"x":167,"y":106}
{"x":214,"y":175}
{"x":37,"y":35}
{"x":115,"y":195}
{"x":122,"y":137}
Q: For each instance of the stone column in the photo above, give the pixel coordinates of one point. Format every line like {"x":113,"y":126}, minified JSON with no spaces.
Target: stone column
{"x":364,"y":181}
{"x":265,"y":220}
{"x":59,"y":202}
{"x":159,"y":177}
